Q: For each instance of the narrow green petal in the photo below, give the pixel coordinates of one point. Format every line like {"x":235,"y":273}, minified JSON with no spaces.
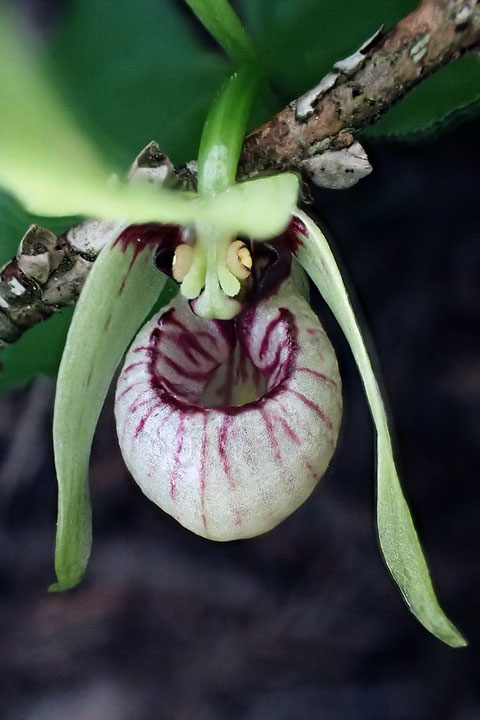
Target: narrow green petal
{"x":398,"y":538}
{"x":222,"y":22}
{"x":120,"y":290}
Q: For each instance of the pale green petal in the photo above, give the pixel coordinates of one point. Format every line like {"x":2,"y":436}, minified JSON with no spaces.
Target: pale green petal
{"x":48,"y":163}
{"x":264,"y":205}
{"x":119,"y":292}
{"x":398,"y":538}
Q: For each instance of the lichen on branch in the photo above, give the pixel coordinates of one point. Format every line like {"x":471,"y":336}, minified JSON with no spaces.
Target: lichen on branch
{"x":436,"y":33}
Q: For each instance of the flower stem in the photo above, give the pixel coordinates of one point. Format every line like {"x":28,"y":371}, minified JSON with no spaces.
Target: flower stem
{"x":224,"y":131}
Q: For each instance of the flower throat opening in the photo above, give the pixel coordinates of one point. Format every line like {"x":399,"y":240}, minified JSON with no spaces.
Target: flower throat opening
{"x":210,"y":363}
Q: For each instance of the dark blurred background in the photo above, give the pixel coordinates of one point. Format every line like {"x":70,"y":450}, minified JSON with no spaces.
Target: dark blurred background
{"x":304,"y":622}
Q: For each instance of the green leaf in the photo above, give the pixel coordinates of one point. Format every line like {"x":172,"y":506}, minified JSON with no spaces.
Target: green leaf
{"x":441,"y":97}
{"x":398,"y":539}
{"x":120,"y":290}
{"x":133,"y":72}
{"x":222,"y":22}
{"x":38,"y":351}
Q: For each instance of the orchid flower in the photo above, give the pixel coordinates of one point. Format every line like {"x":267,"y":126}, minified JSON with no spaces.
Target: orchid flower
{"x":229,"y":404}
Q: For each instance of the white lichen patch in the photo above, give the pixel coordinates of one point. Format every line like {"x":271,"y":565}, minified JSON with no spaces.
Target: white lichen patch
{"x":305,"y":104}
{"x":16,"y":287}
{"x":338,"y":169}
{"x":420,"y":48}
{"x":464,"y":13}
{"x":346,"y":67}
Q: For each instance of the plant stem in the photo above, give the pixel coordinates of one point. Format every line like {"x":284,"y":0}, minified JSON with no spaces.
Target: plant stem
{"x":224,"y":131}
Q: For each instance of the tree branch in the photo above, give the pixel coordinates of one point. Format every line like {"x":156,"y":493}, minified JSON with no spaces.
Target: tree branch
{"x":313,"y":135}
{"x":364,"y":87}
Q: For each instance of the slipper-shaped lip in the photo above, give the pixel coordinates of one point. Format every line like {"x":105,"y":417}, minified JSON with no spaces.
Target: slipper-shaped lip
{"x":230,"y":471}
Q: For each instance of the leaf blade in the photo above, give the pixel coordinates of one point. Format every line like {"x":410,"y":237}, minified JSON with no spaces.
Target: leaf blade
{"x":398,"y":539}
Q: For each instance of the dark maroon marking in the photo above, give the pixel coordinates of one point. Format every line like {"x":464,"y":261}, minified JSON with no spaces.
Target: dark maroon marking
{"x":291,"y":433}
{"x":134,"y":365}
{"x":182,"y":371}
{"x":244,"y":328}
{"x":144,"y":419}
{"x":313,"y":406}
{"x":318,"y":375}
{"x":207,"y":334}
{"x":190,"y":344}
{"x":136,"y":405}
{"x":275,"y":367}
{"x":130,"y":387}
{"x":172,"y":320}
{"x":173,"y":394}
{"x":271,"y":327}
{"x":272,"y":261}
{"x":107,"y":322}
{"x":141,"y":425}
{"x":139,"y":395}
{"x":164,"y":420}
{"x":279,"y":375}
{"x":203,"y":470}
{"x":171,"y":388}
{"x":122,"y":286}
{"x":315,"y":331}
{"x":176,"y":462}
{"x":139,"y":237}
{"x":296,"y":228}
{"x":238,"y":516}
{"x":271,"y":435}
{"x":222,"y":451}
{"x":226,"y":329}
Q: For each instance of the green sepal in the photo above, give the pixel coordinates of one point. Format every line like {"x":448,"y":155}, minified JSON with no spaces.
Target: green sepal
{"x":119,"y":292}
{"x":53,"y":169}
{"x":397,"y":535}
